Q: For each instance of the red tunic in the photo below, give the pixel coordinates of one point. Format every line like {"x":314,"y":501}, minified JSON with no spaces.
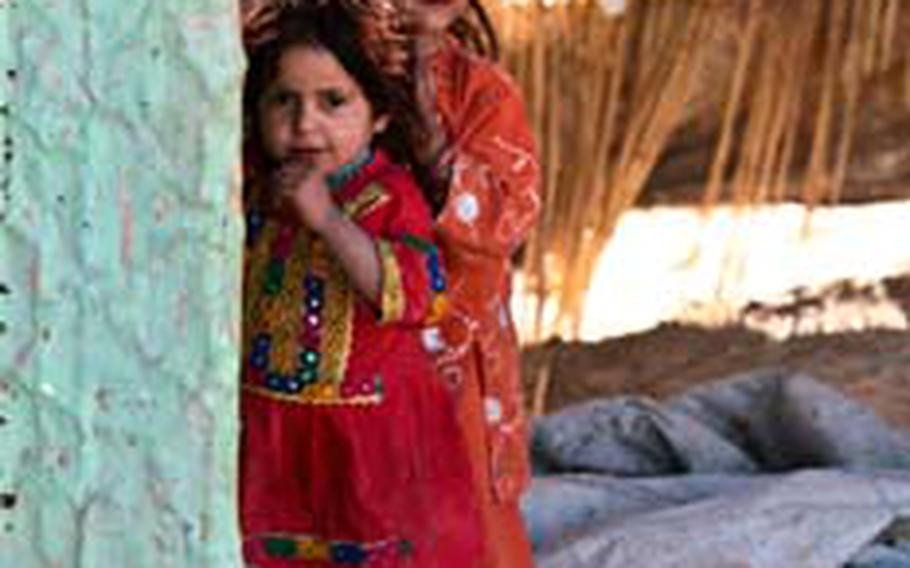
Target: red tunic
{"x":492,"y":205}
{"x":351,"y":454}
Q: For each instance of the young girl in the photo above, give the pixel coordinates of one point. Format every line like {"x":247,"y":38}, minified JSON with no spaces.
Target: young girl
{"x":486,"y":153}
{"x":351,"y":454}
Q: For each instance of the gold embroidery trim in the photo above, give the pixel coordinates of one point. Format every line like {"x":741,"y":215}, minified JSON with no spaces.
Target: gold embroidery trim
{"x":312,"y":396}
{"x":260,"y":307}
{"x":392,"y":301}
{"x":257,"y":260}
{"x":367,"y":201}
{"x":286,"y":320}
{"x":337,"y":324}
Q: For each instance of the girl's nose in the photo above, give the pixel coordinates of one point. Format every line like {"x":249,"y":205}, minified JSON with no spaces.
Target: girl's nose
{"x":303,"y":117}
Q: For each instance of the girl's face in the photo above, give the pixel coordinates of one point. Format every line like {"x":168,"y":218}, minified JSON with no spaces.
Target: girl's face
{"x":435,"y":16}
{"x":315,"y":111}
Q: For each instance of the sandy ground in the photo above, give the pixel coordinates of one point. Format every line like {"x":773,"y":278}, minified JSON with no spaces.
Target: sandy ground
{"x":871,"y":366}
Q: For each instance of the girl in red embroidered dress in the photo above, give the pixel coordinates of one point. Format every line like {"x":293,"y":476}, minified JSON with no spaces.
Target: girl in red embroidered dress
{"x":351,"y":454}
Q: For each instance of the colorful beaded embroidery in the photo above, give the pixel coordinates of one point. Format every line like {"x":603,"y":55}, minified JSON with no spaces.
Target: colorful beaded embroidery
{"x":301,"y":354}
{"x":345,"y":553}
{"x":437,"y":275}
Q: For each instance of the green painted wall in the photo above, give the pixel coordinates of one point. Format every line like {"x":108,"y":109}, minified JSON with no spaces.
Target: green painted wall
{"x":119,"y":282}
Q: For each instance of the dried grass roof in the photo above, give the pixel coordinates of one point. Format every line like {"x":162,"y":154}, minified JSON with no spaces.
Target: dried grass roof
{"x":745,"y":101}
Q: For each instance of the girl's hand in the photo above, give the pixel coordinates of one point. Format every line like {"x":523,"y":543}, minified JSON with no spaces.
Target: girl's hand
{"x":304,"y":188}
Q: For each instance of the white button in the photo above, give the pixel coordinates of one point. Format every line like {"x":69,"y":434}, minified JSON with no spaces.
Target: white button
{"x":493,"y":409}
{"x":503,"y":317}
{"x":432,"y":340}
{"x":467,"y":208}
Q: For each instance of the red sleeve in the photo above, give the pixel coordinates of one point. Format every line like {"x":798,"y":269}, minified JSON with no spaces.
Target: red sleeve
{"x":494,"y":191}
{"x":413,"y":279}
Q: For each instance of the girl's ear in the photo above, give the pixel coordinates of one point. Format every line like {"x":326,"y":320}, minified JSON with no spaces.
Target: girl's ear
{"x":380,"y":124}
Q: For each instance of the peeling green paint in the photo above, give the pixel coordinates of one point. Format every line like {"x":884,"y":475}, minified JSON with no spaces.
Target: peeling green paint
{"x":119,"y":283}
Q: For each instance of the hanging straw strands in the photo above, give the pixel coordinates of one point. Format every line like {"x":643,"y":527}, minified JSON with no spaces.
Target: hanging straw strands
{"x":606,"y":94}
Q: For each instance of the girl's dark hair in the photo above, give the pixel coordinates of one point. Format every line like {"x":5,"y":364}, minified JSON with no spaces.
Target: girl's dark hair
{"x":476,"y":32}
{"x":335,"y":27}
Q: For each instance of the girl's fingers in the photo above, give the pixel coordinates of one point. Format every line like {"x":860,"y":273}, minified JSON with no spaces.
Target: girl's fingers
{"x":258,"y":22}
{"x":293,"y":173}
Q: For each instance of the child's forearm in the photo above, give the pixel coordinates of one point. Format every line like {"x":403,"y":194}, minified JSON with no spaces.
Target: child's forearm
{"x":356,"y":252}
{"x":426,"y":99}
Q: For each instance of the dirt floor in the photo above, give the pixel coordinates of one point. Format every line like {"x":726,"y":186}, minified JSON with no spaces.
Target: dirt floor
{"x":871,"y":366}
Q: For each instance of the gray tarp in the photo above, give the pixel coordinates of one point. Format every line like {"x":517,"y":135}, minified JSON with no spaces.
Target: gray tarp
{"x":767,"y":469}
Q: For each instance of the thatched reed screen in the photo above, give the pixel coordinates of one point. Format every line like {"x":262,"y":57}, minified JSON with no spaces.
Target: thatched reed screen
{"x":608,"y":92}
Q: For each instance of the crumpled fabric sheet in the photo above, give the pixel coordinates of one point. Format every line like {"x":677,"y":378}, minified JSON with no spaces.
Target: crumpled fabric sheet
{"x":765,"y":469}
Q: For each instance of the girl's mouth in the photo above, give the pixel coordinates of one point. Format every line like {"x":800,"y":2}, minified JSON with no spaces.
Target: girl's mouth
{"x":303,"y":153}
{"x":304,"y":156}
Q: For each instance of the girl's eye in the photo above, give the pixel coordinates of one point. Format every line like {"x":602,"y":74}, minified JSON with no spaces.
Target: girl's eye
{"x":283,"y":99}
{"x":334,"y":99}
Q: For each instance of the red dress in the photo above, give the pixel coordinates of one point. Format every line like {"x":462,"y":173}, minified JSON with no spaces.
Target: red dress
{"x":350,"y":450}
{"x":492,"y":205}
